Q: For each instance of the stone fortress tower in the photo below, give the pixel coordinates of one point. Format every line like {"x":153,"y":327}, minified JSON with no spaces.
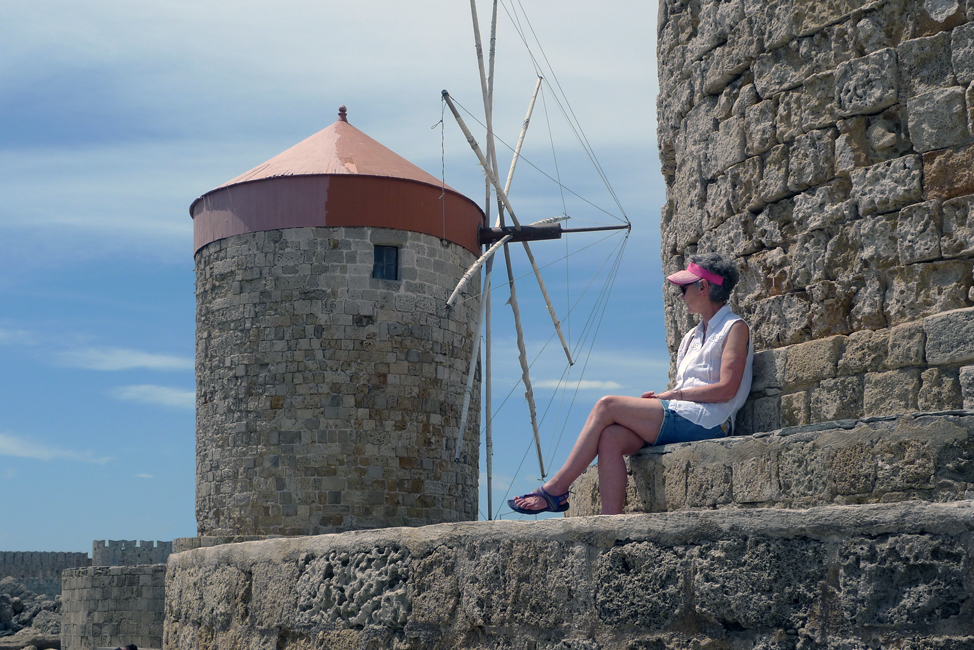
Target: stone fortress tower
{"x":827,"y":146}
{"x":330,"y":375}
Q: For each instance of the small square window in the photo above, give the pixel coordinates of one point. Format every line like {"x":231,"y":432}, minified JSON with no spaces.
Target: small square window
{"x":386,"y":263}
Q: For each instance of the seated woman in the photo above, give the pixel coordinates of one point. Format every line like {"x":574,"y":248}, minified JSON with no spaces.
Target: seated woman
{"x":713,"y":380}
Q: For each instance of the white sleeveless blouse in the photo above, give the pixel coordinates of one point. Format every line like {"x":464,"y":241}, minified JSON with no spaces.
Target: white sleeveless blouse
{"x":698,"y":364}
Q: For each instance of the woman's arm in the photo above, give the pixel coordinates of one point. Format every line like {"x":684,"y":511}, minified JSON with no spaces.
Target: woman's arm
{"x":733,"y":361}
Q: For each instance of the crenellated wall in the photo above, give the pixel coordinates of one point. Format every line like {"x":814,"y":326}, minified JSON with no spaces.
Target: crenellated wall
{"x":129,"y":552}
{"x":828,"y":147}
{"x":40,"y":571}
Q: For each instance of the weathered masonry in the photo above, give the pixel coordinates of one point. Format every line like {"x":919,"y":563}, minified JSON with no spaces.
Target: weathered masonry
{"x":828,"y":147}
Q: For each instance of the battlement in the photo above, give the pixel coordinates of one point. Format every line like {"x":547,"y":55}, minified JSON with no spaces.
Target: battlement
{"x":40,"y":571}
{"x":129,"y":552}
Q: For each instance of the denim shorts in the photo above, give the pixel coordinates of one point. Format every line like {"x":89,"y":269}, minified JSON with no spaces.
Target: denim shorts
{"x":676,"y":428}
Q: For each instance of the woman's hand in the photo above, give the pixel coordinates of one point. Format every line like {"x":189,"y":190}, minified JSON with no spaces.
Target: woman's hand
{"x":666,"y":394}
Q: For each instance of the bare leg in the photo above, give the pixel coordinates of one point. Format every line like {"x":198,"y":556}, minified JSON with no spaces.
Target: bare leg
{"x":639,"y":415}
{"x":615,"y":444}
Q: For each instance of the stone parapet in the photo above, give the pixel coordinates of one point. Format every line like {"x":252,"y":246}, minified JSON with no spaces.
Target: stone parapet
{"x":112,"y":607}
{"x":885,"y":575}
{"x":927,"y":457}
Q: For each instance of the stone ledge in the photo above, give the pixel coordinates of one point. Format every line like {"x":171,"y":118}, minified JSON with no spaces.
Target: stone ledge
{"x":181,"y":544}
{"x":920,"y":456}
{"x":833,"y":576}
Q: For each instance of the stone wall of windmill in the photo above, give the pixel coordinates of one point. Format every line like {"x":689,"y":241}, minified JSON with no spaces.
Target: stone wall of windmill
{"x":334,"y":396}
{"x":828,"y":147}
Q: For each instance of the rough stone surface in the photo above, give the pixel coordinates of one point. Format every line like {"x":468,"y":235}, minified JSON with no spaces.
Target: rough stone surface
{"x":848,"y":204}
{"x":888,"y":573}
{"x":114,"y":606}
{"x":938,"y":119}
{"x":924,"y":457}
{"x":950,"y":337}
{"x":330,"y":400}
{"x":948,"y":173}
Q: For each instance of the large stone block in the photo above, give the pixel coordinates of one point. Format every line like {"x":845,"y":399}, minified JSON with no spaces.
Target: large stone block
{"x":933,"y":568}
{"x":938,"y":119}
{"x":886,"y":24}
{"x":958,"y":227}
{"x":837,"y":399}
{"x":808,"y":258}
{"x":843,"y":256}
{"x":851,"y":147}
{"x":867,"y":84}
{"x":774,"y":178}
{"x":766,"y":274}
{"x":788,"y":119}
{"x":745,"y":180}
{"x":948,"y":173}
{"x":877,"y":235}
{"x":780,"y":69}
{"x":865,"y":351}
{"x":831,"y":306}
{"x":640,"y":584}
{"x":759,"y":127}
{"x":950,"y":337}
{"x":920,"y":290}
{"x":888,"y":186}
{"x":940,"y":390}
{"x":890,"y":393}
{"x":818,"y":98}
{"x":813,"y":361}
{"x":779,"y":320}
{"x":907,"y":345}
{"x":918,"y":230}
{"x":777,"y":575}
{"x":726,"y":147}
{"x":825,"y":206}
{"x":795,"y":410}
{"x":924,"y":65}
{"x":962,"y":53}
{"x":939,"y":15}
{"x":778,"y":18}
{"x":812,"y":159}
{"x":816,"y":15}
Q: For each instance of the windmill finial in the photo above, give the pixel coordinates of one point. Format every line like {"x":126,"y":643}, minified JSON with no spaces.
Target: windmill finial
{"x":342,"y":113}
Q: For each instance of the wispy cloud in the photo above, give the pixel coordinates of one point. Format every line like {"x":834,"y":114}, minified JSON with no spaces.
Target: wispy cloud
{"x":20,"y":447}
{"x":121,"y":359}
{"x":144,"y":476}
{"x":16,"y":337}
{"x":164,"y":395}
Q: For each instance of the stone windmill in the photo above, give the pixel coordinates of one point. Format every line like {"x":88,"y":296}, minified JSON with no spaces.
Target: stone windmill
{"x":329,"y":372}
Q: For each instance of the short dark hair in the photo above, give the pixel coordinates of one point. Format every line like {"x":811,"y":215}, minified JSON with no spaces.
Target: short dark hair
{"x":723,"y":267}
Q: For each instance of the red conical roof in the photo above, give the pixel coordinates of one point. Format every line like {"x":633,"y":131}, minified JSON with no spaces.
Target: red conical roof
{"x":338,"y":149}
{"x":337,"y":177}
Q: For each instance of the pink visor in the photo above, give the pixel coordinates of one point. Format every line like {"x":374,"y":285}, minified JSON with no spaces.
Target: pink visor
{"x":693,"y":274}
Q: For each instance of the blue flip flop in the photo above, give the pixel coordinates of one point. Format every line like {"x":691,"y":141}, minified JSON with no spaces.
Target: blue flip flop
{"x":552,"y":504}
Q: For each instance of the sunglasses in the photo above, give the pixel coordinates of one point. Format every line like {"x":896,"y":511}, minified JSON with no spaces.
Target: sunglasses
{"x":684,"y":287}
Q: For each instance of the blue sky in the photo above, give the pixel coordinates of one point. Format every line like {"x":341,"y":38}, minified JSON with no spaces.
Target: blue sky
{"x":115,"y":116}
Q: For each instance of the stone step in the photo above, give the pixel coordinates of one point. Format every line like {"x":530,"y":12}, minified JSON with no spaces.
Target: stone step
{"x":918,"y":456}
